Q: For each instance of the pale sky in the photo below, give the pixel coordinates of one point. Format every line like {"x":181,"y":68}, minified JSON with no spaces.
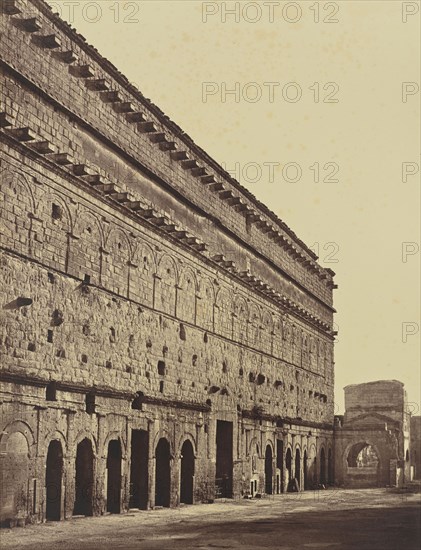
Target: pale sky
{"x":353,"y":117}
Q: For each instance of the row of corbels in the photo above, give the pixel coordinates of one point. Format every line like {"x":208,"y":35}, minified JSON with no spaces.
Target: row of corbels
{"x":165,"y":142}
{"x":98,"y":182}
{"x":112,"y":192}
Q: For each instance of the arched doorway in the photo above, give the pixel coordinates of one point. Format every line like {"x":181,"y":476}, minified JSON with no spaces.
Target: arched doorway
{"x":362,"y":466}
{"x":114,"y":476}
{"x":224,"y":459}
{"x":314,"y":470}
{"x":305,"y":471}
{"x":322,"y":477}
{"x":298,"y":467}
{"x":162,"y":473}
{"x":53,"y":477}
{"x":288,"y":468}
{"x":84,"y":479}
{"x":329,"y":467}
{"x":280,"y":463}
{"x":139,"y":469}
{"x":187,"y":473}
{"x":268,"y":470}
{"x":16,"y":471}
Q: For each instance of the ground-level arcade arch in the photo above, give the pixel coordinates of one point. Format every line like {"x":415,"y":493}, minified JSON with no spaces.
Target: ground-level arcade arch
{"x":17,"y":494}
{"x":288,"y":467}
{"x":305,"y":471}
{"x":362,"y":465}
{"x":114,"y":456}
{"x":297,"y":468}
{"x":366,"y":459}
{"x":53,"y":481}
{"x":84,"y":484}
{"x":139,"y":469}
{"x":330,"y":474}
{"x":163,"y":473}
{"x":187,"y":468}
{"x":312,"y":467}
{"x":371,"y":438}
{"x":322,"y":462}
{"x":268,"y":470}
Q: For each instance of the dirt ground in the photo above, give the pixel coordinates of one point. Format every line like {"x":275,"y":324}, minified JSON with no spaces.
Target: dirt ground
{"x":370,"y":519}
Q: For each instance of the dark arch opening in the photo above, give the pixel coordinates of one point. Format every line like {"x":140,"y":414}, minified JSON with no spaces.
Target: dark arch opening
{"x":84,"y":479}
{"x":280,"y":464}
{"x":314,"y":471}
{"x":138,"y":401}
{"x":322,"y":467}
{"x":305,"y":470}
{"x":187,"y":473}
{"x":53,"y":480}
{"x":362,"y":455}
{"x":162,"y":473}
{"x":268,"y":470}
{"x":288,"y":467}
{"x":114,"y":476}
{"x":298,"y":467}
{"x":363,"y":466}
{"x":139,"y":469}
{"x":15,"y":467}
{"x":329,"y":467}
{"x":224,"y":459}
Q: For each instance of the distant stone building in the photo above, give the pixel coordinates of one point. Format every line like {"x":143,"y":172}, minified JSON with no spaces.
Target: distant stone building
{"x":165,"y":338}
{"x":415,"y":447}
{"x":372,"y":444}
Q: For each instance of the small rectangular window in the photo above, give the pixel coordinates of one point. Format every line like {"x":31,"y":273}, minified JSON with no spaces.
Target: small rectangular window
{"x":56,"y":212}
{"x":161,"y":368}
{"x":51,"y":391}
{"x":90,"y":403}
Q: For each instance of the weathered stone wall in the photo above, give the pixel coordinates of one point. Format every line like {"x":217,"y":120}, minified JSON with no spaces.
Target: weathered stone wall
{"x":376,"y":416}
{"x":381,"y":396}
{"x":415,"y":446}
{"x":74,"y":89}
{"x":139,"y":270}
{"x":121,"y":313}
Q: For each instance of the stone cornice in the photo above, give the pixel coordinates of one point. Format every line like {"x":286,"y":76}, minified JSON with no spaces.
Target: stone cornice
{"x":101,"y":391}
{"x":308,"y":258}
{"x":30,"y":380}
{"x":285,"y":422}
{"x":257,"y":286}
{"x":172,"y":403}
{"x":110,"y":191}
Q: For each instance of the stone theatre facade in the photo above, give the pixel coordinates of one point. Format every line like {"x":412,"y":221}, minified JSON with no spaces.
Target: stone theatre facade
{"x":165,"y":338}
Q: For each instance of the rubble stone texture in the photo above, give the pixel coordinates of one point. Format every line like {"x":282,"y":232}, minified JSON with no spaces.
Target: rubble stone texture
{"x":415,"y":446}
{"x":164,"y":336}
{"x":376,"y":416}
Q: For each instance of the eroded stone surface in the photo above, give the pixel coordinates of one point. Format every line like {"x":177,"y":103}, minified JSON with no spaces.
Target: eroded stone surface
{"x":164,"y":337}
{"x":372,"y":439}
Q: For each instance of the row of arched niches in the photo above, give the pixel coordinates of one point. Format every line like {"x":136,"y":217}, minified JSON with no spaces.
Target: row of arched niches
{"x":65,"y":235}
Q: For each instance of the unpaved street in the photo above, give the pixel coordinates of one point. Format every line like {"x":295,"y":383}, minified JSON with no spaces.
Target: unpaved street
{"x":375,"y":519}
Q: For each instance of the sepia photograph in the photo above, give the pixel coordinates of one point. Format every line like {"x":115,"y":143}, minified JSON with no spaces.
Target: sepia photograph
{"x":210,"y":275}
